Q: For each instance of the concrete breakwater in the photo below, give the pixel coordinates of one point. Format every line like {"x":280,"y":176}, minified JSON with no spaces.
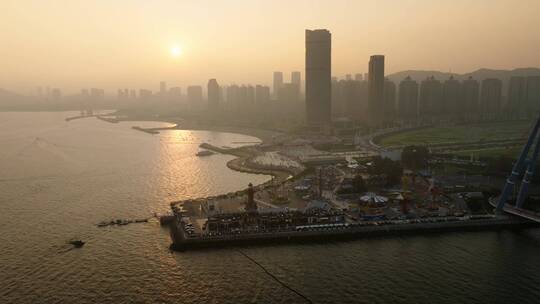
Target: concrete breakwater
{"x":182,"y":242}
{"x":108,"y":119}
{"x":149,"y":131}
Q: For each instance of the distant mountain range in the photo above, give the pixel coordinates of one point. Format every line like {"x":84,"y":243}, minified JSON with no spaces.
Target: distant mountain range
{"x":479,"y":75}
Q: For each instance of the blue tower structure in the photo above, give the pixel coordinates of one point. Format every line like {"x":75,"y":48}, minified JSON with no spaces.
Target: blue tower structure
{"x":517,"y":170}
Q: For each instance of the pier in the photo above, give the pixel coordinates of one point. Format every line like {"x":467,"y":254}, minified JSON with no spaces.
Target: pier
{"x":317,"y":233}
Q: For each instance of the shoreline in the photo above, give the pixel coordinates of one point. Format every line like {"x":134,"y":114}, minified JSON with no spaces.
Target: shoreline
{"x":243,"y":155}
{"x":181,"y":242}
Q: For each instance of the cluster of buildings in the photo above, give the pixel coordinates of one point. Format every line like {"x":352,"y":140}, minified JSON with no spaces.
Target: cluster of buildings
{"x":49,"y":93}
{"x":370,"y":99}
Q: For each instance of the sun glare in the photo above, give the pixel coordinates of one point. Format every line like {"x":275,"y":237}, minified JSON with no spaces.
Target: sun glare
{"x":176,"y":51}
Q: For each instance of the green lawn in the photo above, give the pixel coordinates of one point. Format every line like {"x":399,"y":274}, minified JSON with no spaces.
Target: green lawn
{"x":460,"y":133}
{"x":491,"y":152}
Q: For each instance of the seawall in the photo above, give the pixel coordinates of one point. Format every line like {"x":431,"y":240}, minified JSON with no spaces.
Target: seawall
{"x":181,"y":242}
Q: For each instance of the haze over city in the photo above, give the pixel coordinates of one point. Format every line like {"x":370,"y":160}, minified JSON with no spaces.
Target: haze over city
{"x":269,"y":151}
{"x":112,"y":44}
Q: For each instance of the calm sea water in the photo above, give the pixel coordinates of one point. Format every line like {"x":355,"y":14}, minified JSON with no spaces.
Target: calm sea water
{"x":58,"y":179}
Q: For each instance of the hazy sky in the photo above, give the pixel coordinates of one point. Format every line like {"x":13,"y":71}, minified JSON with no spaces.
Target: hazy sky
{"x":127,"y":43}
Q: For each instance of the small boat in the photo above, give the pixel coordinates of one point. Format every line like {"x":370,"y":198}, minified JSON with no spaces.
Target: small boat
{"x":204,"y":153}
{"x":77,"y":243}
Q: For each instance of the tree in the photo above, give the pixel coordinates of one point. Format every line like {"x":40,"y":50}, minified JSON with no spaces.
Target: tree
{"x":359,"y":186}
{"x":392,"y":169}
{"x":415,"y":157}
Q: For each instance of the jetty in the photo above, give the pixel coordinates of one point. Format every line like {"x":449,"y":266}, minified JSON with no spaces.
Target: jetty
{"x":332,"y":232}
{"x":107,"y":119}
{"x":149,"y":131}
{"x":122,"y":222}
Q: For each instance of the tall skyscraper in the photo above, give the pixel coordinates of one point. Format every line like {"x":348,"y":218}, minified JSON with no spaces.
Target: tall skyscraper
{"x":376,"y":89}
{"x":490,"y":96}
{"x":278,"y":82}
{"x":408,"y":99}
{"x":517,"y":95}
{"x":318,"y":74}
{"x":358,"y":77}
{"x":213,"y":95}
{"x":296,"y":79}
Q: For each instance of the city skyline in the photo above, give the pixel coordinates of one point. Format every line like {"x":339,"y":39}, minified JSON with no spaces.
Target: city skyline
{"x":176,"y":43}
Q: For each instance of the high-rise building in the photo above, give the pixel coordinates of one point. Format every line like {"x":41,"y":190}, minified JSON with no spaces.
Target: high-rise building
{"x":408,"y":99}
{"x":175,"y":94}
{"x":452,"y":103}
{"x":97,"y":94}
{"x":490,"y":96}
{"x":233,"y":93}
{"x":56,"y":93}
{"x":389,"y":104}
{"x":349,"y":99}
{"x":470,"y":92}
{"x":533,"y":93}
{"x":296,"y":79}
{"x":376,"y":89}
{"x":278,"y":82}
{"x":213,"y":95}
{"x":337,"y":101}
{"x":145,"y":95}
{"x":430,"y":99}
{"x":195,"y":96}
{"x":289,"y":93}
{"x":318,"y":73}
{"x":517,"y":95}
{"x":354,"y":94}
{"x":250,"y":95}
{"x":262,"y":94}
{"x":163,"y":88}
{"x":358,"y":77}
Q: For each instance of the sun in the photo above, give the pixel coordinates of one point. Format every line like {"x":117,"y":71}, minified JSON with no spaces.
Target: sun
{"x":176,"y":51}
